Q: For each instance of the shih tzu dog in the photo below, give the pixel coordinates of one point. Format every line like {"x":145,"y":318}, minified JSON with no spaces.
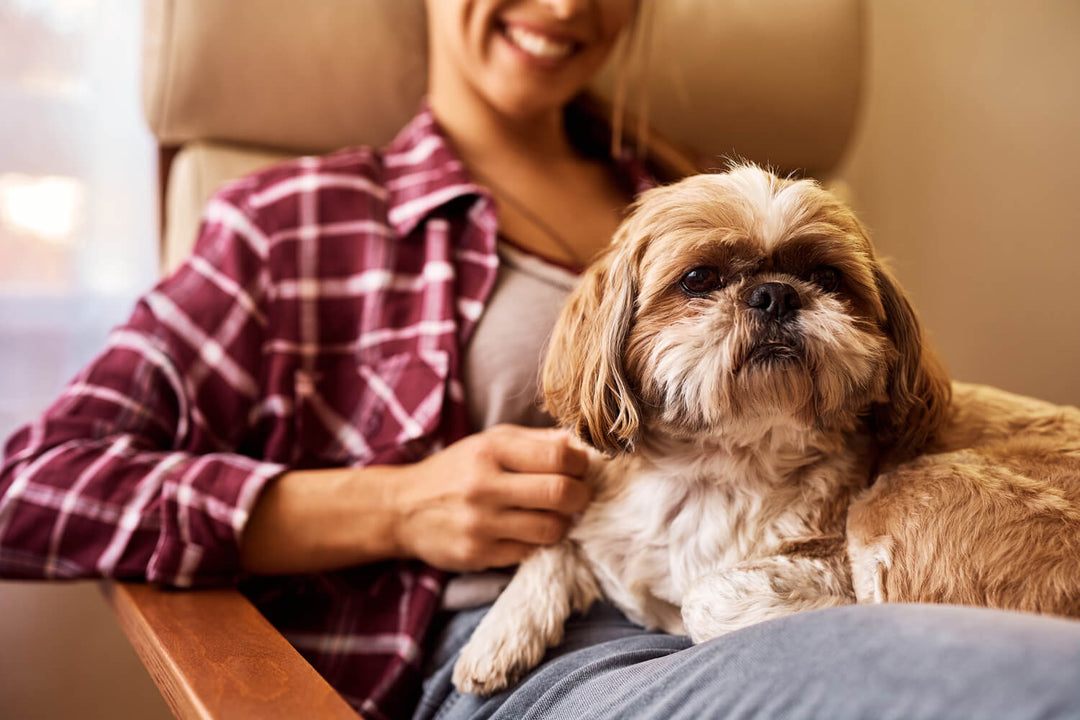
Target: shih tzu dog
{"x":744,"y":366}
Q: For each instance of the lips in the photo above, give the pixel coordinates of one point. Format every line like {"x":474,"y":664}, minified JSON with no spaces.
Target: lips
{"x":771,"y":352}
{"x":540,"y":46}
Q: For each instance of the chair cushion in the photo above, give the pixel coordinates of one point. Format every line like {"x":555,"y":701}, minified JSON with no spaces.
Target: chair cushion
{"x":198,"y":170}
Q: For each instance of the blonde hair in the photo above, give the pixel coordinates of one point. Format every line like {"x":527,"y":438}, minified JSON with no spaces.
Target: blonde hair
{"x":633,"y":62}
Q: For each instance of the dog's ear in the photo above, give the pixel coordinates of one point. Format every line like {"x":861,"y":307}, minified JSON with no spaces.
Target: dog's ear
{"x":918,"y":387}
{"x":584,"y":377}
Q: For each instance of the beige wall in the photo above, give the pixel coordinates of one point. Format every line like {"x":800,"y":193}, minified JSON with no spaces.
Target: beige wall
{"x":966,"y":166}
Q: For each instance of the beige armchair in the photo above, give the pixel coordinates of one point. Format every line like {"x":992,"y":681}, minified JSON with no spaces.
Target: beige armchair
{"x":234,"y":85}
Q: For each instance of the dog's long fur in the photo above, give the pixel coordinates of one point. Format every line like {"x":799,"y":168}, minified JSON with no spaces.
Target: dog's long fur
{"x":734,"y":426}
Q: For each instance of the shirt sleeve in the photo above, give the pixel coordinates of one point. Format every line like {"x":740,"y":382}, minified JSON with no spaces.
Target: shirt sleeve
{"x":133,"y":472}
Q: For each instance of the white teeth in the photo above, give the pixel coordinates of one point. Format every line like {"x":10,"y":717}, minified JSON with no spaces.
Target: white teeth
{"x":540,"y":46}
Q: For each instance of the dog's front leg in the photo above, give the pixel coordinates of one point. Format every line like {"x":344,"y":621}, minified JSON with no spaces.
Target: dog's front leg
{"x":734,"y":597}
{"x":527,"y":618}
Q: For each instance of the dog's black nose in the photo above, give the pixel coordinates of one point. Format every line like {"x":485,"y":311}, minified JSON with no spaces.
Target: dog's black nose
{"x":775,"y":300}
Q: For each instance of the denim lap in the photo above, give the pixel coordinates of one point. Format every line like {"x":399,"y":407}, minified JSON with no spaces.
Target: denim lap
{"x":869,"y":661}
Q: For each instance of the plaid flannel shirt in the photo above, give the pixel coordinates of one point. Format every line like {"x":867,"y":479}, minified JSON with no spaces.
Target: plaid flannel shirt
{"x":318,"y":323}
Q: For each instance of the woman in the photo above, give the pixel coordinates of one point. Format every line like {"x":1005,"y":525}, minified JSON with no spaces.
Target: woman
{"x":291,"y":410}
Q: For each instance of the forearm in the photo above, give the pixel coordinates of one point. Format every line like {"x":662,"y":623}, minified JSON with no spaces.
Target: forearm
{"x":168,"y":517}
{"x":486,"y":501}
{"x":316,"y":520}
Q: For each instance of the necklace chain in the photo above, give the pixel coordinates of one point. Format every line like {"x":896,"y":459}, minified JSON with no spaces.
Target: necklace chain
{"x":561,"y":242}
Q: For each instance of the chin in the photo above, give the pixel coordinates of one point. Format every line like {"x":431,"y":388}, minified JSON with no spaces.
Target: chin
{"x":523,"y":94}
{"x":772,"y":433}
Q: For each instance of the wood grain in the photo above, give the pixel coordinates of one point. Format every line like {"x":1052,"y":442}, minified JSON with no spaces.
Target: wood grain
{"x":213,"y":656}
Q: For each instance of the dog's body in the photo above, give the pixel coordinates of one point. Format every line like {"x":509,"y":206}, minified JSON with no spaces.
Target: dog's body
{"x":669,"y":526}
{"x":689,"y":541}
{"x":988,"y":515}
{"x":747,"y":366}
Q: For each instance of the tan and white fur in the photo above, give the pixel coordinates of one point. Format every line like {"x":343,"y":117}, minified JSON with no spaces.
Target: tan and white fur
{"x":742,"y":365}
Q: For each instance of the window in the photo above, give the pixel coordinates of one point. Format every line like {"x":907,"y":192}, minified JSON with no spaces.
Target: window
{"x":77,"y":191}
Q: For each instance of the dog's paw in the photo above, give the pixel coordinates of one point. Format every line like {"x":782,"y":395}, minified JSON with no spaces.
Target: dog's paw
{"x":716,"y":605}
{"x":479,"y":673}
{"x":525,"y":621}
{"x":733,"y":598}
{"x":493,"y":660}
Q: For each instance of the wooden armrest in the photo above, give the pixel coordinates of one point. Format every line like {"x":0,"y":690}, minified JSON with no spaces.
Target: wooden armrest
{"x":214,"y":656}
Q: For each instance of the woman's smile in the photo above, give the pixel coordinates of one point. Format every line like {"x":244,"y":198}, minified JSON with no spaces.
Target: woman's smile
{"x":522,"y":58}
{"x":538,"y":45}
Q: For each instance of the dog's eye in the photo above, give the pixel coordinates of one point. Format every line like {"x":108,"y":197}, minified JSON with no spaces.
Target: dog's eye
{"x":701,"y":280}
{"x":826,"y":278}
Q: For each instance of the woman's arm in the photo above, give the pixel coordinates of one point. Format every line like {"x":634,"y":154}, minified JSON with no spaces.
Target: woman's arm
{"x":132,"y":472}
{"x":485,"y":501}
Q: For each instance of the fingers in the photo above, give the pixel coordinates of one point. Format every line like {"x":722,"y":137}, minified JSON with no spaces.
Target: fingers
{"x":557,"y":493}
{"x":540,"y":469}
{"x":500,"y":538}
{"x":490,"y":499}
{"x":532,"y":450}
{"x":507,"y":552}
{"x":531,"y":528}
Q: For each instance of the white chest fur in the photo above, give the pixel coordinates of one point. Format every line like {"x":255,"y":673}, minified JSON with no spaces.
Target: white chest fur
{"x":695,"y":543}
{"x":654,"y":529}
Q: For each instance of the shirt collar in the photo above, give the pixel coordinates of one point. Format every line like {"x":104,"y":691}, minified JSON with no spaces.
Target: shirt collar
{"x":423,"y":173}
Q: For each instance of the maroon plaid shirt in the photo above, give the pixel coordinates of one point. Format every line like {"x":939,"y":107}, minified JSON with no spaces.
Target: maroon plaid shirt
{"x":318,"y":323}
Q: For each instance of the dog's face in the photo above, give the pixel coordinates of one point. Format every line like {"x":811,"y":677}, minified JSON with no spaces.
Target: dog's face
{"x":732,"y":304}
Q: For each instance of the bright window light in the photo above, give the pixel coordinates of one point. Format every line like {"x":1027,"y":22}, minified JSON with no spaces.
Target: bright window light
{"x":47,"y":207}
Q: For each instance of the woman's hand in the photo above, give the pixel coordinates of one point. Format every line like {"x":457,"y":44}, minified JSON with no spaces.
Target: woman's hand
{"x":485,"y":501}
{"x":491,"y":498}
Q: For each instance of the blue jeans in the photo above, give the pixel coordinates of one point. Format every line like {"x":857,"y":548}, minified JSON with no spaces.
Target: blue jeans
{"x":868,"y":661}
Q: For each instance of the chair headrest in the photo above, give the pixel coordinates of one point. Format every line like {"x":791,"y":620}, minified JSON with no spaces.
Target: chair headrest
{"x":775,"y":81}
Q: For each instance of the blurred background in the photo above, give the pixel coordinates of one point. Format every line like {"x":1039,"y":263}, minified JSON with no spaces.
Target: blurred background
{"x":964,"y":164}
{"x":78,"y":242}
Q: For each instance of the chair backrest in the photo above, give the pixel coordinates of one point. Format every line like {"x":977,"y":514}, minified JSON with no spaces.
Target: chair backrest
{"x":237,"y":84}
